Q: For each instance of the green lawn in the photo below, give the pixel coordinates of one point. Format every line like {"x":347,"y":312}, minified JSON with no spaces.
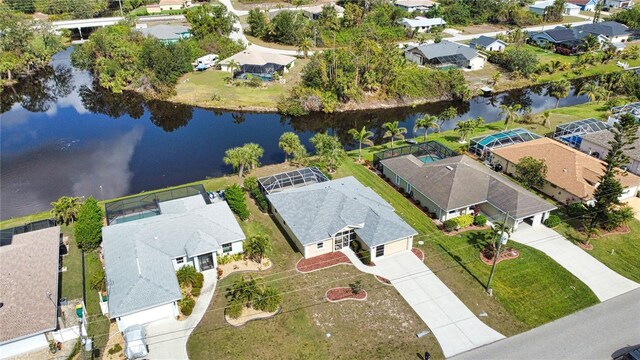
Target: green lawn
{"x":532,"y":289}
{"x":621,"y":253}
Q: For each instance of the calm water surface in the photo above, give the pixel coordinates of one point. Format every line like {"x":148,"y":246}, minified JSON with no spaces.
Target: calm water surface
{"x":62,"y":135}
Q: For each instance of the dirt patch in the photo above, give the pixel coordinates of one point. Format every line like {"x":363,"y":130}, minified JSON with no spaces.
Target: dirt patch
{"x":322,"y":262}
{"x":243,"y":265}
{"x":249,"y":314}
{"x":345,"y":293}
{"x":508,"y":254}
{"x":114,"y":340}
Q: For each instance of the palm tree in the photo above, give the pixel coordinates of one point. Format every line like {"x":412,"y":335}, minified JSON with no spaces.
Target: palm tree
{"x":555,"y":65}
{"x":233,"y":157}
{"x":289,"y":143}
{"x":362,"y":137}
{"x":464,"y":128}
{"x":233,"y":66}
{"x":448,"y":114}
{"x":394,"y":131}
{"x":496,"y":77}
{"x":253,"y":154}
{"x":592,"y":90}
{"x":545,"y":118}
{"x":65,"y":210}
{"x":305,"y":45}
{"x":257,"y":247}
{"x":426,"y":122}
{"x":477,"y":122}
{"x":589,"y":43}
{"x":511,"y":112}
{"x":558,"y":90}
{"x":245,"y":290}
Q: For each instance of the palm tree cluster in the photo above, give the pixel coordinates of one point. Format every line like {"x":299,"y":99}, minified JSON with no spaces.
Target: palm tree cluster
{"x":65,"y":210}
{"x":245,"y":157}
{"x":594,"y":92}
{"x":257,"y":246}
{"x":290,"y":143}
{"x":251,"y":293}
{"x":329,"y":150}
{"x":467,"y":127}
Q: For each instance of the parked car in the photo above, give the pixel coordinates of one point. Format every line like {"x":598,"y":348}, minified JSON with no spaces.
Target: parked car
{"x":135,"y":342}
{"x":411,"y":141}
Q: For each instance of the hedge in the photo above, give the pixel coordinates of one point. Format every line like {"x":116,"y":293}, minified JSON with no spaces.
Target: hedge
{"x":480,"y":220}
{"x":463,"y":220}
{"x":450,"y":225}
{"x":552,"y":221}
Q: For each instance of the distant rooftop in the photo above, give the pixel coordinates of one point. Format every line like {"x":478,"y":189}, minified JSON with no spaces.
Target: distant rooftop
{"x":420,"y":21}
{"x":165,"y":32}
{"x":602,"y":138}
{"x":447,"y":48}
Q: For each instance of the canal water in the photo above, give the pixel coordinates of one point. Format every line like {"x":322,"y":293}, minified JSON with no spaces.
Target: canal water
{"x":60,"y":134}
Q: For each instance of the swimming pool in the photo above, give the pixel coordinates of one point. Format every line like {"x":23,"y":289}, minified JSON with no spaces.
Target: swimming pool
{"x":428,"y":158}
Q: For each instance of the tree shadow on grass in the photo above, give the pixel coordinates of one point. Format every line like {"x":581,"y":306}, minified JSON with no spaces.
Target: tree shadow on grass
{"x":476,"y":242}
{"x":285,"y":235}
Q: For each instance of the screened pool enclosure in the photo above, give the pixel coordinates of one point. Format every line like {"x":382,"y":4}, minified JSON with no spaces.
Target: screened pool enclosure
{"x":571,"y":133}
{"x":291,"y":179}
{"x":482,"y":145}
{"x":427,"y":152}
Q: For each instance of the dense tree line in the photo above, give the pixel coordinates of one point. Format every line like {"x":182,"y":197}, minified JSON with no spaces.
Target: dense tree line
{"x":468,"y":12}
{"x":77,"y":9}
{"x":25,"y":46}
{"x":629,"y":17}
{"x":346,"y":74}
{"x":122,"y":58}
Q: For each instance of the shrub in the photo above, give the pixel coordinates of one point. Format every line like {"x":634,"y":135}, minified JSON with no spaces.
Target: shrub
{"x":450,"y":225}
{"x":196,"y":291}
{"x":234,"y":310}
{"x":365,"y":256}
{"x":115,"y":349}
{"x":224,"y":259}
{"x":251,"y":185}
{"x":355,"y":246}
{"x":463,"y":221}
{"x":186,"y":305}
{"x":254,"y":82}
{"x":236,"y":200}
{"x":88,"y":228}
{"x":356,"y":287}
{"x":552,"y":221}
{"x":480,"y":220}
{"x":187,"y":275}
{"x":199,"y":280}
{"x":98,"y":280}
{"x":269,"y":300}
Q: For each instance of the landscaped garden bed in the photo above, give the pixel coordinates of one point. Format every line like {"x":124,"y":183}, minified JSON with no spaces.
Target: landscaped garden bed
{"x":242,"y":265}
{"x":322,"y":262}
{"x":345,"y":293}
{"x":487,"y":254}
{"x":417,"y":252}
{"x":250,"y":314}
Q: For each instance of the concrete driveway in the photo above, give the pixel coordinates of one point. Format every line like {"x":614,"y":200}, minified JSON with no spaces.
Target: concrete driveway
{"x":453,"y":324}
{"x":604,"y":282}
{"x":167,"y":339}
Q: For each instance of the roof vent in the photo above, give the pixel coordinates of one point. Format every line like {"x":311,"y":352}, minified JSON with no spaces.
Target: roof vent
{"x":564,"y":170}
{"x":449,"y":168}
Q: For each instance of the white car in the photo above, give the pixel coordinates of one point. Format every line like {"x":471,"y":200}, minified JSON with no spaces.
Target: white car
{"x":135,"y":343}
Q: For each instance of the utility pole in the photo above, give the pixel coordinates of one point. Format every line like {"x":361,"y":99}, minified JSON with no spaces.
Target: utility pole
{"x":121,"y":12}
{"x":495,"y":257}
{"x":84,"y":304}
{"x":598,"y":9}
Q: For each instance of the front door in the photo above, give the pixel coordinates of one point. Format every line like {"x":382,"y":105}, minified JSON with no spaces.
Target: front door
{"x":206,"y":262}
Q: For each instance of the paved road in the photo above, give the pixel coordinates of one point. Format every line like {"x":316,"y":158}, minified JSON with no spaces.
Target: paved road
{"x":594,"y":333}
{"x":453,"y":324}
{"x":604,"y":282}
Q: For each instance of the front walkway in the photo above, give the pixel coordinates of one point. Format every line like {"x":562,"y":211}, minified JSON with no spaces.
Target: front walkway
{"x":453,"y":324}
{"x":167,"y":339}
{"x":604,"y":282}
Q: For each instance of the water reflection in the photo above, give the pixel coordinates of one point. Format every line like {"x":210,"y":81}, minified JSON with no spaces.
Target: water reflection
{"x":39,"y":92}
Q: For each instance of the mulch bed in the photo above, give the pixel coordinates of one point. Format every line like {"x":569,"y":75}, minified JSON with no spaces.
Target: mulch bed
{"x":456,"y":232}
{"x":584,"y":246}
{"x":622,"y":229}
{"x":417,"y":252}
{"x":345,"y":293}
{"x":321,"y":262}
{"x":507,"y":254}
{"x":383,"y":280}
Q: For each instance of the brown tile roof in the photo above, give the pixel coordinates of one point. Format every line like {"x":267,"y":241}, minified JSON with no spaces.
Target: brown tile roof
{"x":568,"y":169}
{"x":28,"y":271}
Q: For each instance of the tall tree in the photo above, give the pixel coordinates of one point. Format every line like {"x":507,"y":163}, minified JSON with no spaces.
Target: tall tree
{"x":362,"y":137}
{"x":328,"y":149}
{"x":531,"y":172}
{"x":559,"y":90}
{"x":592,"y":91}
{"x":447,"y":115}
{"x":65,"y":210}
{"x":88,"y":228}
{"x":289,"y":143}
{"x":258,"y":21}
{"x":426,"y":122}
{"x":304,"y":46}
{"x":464,"y":128}
{"x":510,"y":112}
{"x":393,"y":131}
{"x":206,"y":19}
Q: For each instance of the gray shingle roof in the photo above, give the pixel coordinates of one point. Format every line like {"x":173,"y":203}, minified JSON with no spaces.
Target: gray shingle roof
{"x":138,"y":254}
{"x":165,"y":32}
{"x":447,"y":48}
{"x":460,"y":181}
{"x":602,"y":138}
{"x":606,"y":28}
{"x":318,"y":211}
{"x":483,"y":41}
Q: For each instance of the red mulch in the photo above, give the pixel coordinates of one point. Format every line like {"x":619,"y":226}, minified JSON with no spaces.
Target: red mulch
{"x":507,"y":254}
{"x":322,"y":261}
{"x":343,"y":293}
{"x":584,"y":246}
{"x":622,"y":229}
{"x":418,"y":253}
{"x":383,"y":280}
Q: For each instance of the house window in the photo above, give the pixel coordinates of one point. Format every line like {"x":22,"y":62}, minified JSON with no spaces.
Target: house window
{"x":380,"y":250}
{"x":409,"y":188}
{"x":319,"y":246}
{"x":226,"y":248}
{"x":397,"y":180}
{"x":180,"y":261}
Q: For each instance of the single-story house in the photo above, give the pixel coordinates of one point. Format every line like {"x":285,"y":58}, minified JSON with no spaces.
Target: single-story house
{"x":323,"y":217}
{"x":167,"y":33}
{"x":585,"y":5}
{"x":613,"y":31}
{"x":29,"y":265}
{"x":597,"y":145}
{"x":141,"y":256}
{"x":445,"y":54}
{"x":166,"y":5}
{"x":258,"y":63}
{"x":314,"y":12}
{"x":415,"y":5}
{"x":541,"y":8}
{"x":421,"y":24}
{"x":630,"y":108}
{"x":457,"y":185}
{"x":488,"y":43}
{"x":618,"y":4}
{"x":572,"y":175}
